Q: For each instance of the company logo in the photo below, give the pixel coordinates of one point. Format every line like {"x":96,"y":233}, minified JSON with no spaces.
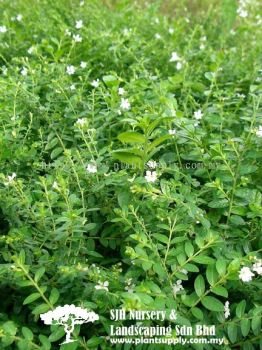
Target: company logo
{"x":68,"y":316}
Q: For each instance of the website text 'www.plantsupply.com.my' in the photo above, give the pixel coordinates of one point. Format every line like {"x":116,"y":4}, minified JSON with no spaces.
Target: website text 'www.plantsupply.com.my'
{"x":167,"y":341}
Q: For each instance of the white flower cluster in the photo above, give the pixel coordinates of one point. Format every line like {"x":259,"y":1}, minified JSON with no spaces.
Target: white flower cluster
{"x":95,"y":83}
{"x":259,"y":131}
{"x":62,"y":314}
{"x":10,"y":179}
{"x":175,"y":58}
{"x":177,"y":287}
{"x":152,"y":164}
{"x":102,"y":286}
{"x":172,"y":132}
{"x":151,"y":176}
{"x":242,"y":9}
{"x":81,"y":122}
{"x":246,"y":273}
{"x":3,"y":29}
{"x":76,"y":37}
{"x":129,"y":285}
{"x":226,"y":309}
{"x":198,"y":116}
{"x":125,"y":104}
{"x":91,"y":168}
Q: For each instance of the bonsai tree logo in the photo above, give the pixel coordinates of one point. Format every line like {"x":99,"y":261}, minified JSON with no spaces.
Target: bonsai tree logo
{"x":68,"y":316}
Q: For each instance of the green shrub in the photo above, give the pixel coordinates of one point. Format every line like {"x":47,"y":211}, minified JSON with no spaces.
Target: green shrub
{"x":130,"y":153}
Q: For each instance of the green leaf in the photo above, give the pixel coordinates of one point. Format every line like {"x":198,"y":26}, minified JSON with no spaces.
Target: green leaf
{"x":160,"y":237}
{"x":56,"y":152}
{"x":236,"y":220}
{"x":211,"y":274}
{"x":158,"y":141}
{"x":9,"y":328}
{"x":197,"y":313}
{"x":110,"y":80}
{"x":256,"y":324}
{"x":46,"y":345}
{"x":245,"y":327}
{"x":27,"y":333}
{"x":221,"y":267}
{"x":39,"y":273}
{"x":40,"y":309}
{"x":240,"y":309}
{"x":24,"y":344}
{"x":123,"y":199}
{"x":203,"y":259}
{"x":189,"y":249}
{"x":222,"y":203}
{"x":32,"y":297}
{"x":158,"y":268}
{"x":232,"y":332}
{"x":212,"y":304}
{"x":131,"y":137}
{"x":22,"y":256}
{"x":54,"y":296}
{"x":127,"y":157}
{"x":199,"y":285}
{"x":219,"y":290}
{"x":57,"y":334}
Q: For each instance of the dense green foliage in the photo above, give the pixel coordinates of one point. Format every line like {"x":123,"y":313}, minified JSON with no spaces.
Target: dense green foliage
{"x":191,"y":74}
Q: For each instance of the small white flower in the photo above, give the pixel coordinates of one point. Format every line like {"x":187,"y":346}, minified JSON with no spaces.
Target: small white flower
{"x":226,"y":309}
{"x":242,"y":13}
{"x":157,"y":36}
{"x":130,"y":288}
{"x":177,"y":287}
{"x":102,"y":285}
{"x":259,"y":131}
{"x":19,"y":17}
{"x":203,"y":38}
{"x":72,"y":87}
{"x":55,"y":186}
{"x":240,"y":95}
{"x":91,"y":168}
{"x":10,"y":179}
{"x":198,"y":114}
{"x":81,"y":122}
{"x":67,"y":32}
{"x":70,"y":70}
{"x":257,"y":267}
{"x":173,"y":112}
{"x":95,"y":83}
{"x":179,"y":65}
{"x":3,"y":29}
{"x":171,"y":31}
{"x":202,"y":46}
{"x":125,"y":104}
{"x":126,"y":31}
{"x":121,"y":91}
{"x":24,"y":71}
{"x":79,"y":24}
{"x":81,"y":3}
{"x":31,"y":50}
{"x":172,"y":132}
{"x":246,"y":274}
{"x":151,"y":176}
{"x":83,"y":64}
{"x":77,"y":38}
{"x":157,"y":20}
{"x":152,"y":164}
{"x":174,"y":57}
{"x":4,"y":70}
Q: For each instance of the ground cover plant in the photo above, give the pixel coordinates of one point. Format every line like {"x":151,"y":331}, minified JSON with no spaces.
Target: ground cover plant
{"x":130,"y":169}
